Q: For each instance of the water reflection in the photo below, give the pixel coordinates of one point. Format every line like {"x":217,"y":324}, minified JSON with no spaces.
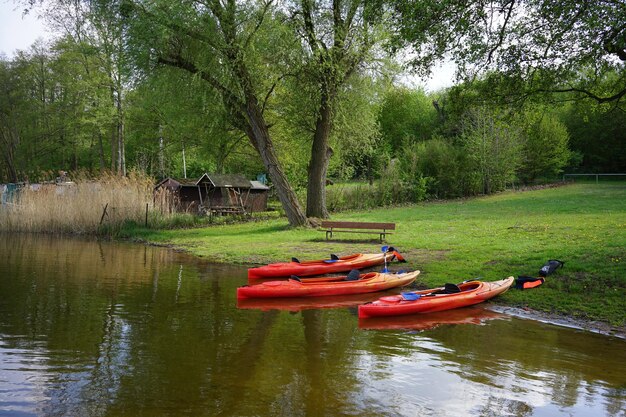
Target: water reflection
{"x":93,"y":328}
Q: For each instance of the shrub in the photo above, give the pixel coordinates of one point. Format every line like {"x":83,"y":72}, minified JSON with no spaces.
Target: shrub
{"x":545,"y":150}
{"x":493,"y":148}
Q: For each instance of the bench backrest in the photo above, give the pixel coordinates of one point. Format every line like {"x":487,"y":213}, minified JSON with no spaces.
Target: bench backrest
{"x":358,"y":225}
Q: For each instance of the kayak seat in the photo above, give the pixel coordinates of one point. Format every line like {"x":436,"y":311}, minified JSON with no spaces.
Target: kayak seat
{"x":447,"y":289}
{"x":295,"y":278}
{"x":353,"y":275}
{"x":296,"y":260}
{"x":451,"y":289}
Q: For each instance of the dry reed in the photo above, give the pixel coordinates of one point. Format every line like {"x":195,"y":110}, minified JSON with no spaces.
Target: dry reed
{"x":78,"y":207}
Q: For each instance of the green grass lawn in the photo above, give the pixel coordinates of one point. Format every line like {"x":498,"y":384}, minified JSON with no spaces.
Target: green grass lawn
{"x":493,"y":237}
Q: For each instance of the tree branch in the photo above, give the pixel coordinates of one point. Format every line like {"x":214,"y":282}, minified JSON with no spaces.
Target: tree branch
{"x":615,"y":97}
{"x":179,"y":61}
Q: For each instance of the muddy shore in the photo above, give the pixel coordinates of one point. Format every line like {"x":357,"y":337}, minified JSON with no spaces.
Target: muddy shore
{"x":560,"y":320}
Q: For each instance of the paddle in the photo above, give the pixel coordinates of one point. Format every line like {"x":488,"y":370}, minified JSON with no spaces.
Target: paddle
{"x":410,"y":296}
{"x":385,"y":249}
{"x":333,"y":258}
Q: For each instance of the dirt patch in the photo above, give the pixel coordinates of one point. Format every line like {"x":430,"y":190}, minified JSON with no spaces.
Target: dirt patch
{"x":560,"y":320}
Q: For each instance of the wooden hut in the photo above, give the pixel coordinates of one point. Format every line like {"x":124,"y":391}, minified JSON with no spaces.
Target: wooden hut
{"x":257,"y":197}
{"x":223,"y":193}
{"x":177,"y":194}
{"x":213,"y":194}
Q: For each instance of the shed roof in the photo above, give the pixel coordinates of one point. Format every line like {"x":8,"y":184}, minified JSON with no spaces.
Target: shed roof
{"x":226,"y":180}
{"x":176,"y":182}
{"x":257,"y":185}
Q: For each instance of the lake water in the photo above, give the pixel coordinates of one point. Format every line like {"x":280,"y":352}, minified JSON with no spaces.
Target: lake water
{"x":106,"y":329}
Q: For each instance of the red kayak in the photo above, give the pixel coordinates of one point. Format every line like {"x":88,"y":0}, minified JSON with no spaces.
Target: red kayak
{"x":436,"y":299}
{"x":317,"y":287}
{"x":325,"y":266}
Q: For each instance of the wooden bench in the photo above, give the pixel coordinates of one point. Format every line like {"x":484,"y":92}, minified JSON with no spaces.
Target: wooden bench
{"x":381,"y":229}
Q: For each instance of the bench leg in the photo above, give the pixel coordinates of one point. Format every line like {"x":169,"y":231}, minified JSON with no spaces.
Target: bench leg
{"x":329,"y":233}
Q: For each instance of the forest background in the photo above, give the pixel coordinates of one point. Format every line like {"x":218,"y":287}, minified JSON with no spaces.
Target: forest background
{"x":307,"y":91}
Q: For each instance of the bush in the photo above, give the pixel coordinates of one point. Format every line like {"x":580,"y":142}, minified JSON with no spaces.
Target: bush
{"x":492,"y":148}
{"x":545,"y":148}
{"x":437,"y":165}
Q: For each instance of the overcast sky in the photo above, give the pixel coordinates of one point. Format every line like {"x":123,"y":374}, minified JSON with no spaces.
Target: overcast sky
{"x":18,"y":31}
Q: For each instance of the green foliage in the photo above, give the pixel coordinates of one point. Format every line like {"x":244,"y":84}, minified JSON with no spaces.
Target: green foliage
{"x":545,"y":148}
{"x":406,"y":116}
{"x":493,"y":147}
{"x":442,"y":166}
{"x":598,"y":133}
{"x":560,"y":45}
{"x":393,"y":188}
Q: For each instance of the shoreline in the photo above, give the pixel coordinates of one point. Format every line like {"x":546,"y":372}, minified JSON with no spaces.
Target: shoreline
{"x":592,"y":326}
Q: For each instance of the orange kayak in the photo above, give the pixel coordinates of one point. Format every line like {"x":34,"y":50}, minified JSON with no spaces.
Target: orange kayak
{"x":324,"y":266}
{"x":436,"y":299}
{"x":324,"y":286}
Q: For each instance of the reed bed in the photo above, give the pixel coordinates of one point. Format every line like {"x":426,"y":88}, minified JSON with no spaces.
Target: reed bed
{"x":79,"y":207}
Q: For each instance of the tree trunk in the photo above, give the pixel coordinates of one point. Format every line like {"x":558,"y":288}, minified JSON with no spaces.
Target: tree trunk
{"x":10,"y":139}
{"x":101,"y":152}
{"x":258,"y":133}
{"x":320,"y":157}
{"x":121,"y":166}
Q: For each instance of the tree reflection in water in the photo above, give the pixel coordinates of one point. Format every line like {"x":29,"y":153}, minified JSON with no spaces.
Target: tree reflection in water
{"x":103,"y":329}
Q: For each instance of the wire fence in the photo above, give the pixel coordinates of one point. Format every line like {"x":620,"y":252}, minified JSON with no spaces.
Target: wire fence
{"x":597,"y":176}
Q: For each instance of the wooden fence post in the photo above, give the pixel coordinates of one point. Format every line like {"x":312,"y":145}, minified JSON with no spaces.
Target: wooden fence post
{"x":104,"y":213}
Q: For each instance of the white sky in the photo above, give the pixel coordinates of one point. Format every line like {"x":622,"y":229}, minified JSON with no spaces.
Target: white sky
{"x":18,"y":31}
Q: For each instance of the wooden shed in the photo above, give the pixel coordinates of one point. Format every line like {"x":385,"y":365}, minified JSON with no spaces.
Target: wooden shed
{"x":223,"y":193}
{"x":257,"y":198}
{"x":212,"y":194}
{"x":177,"y":194}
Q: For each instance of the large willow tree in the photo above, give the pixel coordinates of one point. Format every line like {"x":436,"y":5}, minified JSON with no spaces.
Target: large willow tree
{"x":238,"y":50}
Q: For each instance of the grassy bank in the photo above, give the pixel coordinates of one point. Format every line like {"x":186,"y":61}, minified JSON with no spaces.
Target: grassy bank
{"x":512,"y":233}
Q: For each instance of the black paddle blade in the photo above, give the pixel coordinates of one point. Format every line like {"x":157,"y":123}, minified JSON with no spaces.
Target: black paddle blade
{"x":353,"y":275}
{"x":295,"y":260}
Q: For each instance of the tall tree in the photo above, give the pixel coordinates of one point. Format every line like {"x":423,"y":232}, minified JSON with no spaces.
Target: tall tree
{"x":337,"y":35}
{"x":9,"y":134}
{"x":222,"y":44}
{"x":95,"y":30}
